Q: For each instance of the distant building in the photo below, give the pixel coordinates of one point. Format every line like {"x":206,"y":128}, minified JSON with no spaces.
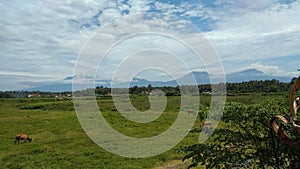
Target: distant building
{"x":33,"y":95}
{"x":145,"y":93}
{"x":207,"y":93}
{"x":157,"y":92}
{"x":63,"y":95}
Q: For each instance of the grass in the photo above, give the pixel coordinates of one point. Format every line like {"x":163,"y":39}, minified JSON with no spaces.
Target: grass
{"x":60,"y":142}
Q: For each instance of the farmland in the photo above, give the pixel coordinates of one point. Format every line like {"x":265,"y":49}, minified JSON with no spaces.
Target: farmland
{"x":60,"y":142}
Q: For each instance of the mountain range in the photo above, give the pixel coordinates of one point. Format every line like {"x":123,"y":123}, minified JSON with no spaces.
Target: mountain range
{"x":200,"y":77}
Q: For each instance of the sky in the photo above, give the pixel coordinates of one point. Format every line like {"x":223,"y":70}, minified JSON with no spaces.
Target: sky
{"x":44,"y":41}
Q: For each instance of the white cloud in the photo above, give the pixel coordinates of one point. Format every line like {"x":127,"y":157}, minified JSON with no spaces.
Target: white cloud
{"x":22,"y":74}
{"x":272,"y":70}
{"x":139,"y":33}
{"x":186,"y":10}
{"x":43,"y":36}
{"x":139,"y":6}
{"x":46,"y":36}
{"x":245,"y":4}
{"x":109,"y":15}
{"x":253,"y":35}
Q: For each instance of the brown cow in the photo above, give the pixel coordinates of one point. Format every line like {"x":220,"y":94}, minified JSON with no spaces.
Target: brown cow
{"x":191,"y":112}
{"x":24,"y":137}
{"x":206,"y":124}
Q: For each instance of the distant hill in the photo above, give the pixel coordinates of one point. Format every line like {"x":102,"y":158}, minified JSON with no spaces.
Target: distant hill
{"x":144,"y":82}
{"x":200,"y":77}
{"x":64,"y":87}
{"x":253,"y":74}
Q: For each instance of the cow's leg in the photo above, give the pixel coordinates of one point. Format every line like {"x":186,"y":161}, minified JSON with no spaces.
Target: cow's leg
{"x":18,"y":139}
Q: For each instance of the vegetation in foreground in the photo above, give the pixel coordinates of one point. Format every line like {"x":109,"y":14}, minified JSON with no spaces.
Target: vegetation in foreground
{"x":247,"y":140}
{"x":60,"y":142}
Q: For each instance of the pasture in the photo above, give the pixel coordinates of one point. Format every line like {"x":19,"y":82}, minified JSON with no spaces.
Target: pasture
{"x":60,"y":142}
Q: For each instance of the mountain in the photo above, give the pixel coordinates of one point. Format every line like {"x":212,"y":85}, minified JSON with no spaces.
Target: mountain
{"x":253,"y":74}
{"x":63,"y":87}
{"x":79,"y":77}
{"x":144,"y":82}
{"x":69,"y":78}
{"x":200,"y":77}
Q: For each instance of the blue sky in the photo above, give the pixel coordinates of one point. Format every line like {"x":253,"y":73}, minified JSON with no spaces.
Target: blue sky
{"x":41,"y":40}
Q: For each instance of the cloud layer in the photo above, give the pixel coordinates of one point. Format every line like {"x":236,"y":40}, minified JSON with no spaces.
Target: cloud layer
{"x":41,"y":40}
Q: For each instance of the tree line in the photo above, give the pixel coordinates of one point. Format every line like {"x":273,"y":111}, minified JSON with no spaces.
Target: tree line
{"x":238,"y":87}
{"x":24,"y":94}
{"x":253,"y":86}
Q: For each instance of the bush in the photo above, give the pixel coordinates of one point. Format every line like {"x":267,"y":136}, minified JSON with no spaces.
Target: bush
{"x":247,"y":140}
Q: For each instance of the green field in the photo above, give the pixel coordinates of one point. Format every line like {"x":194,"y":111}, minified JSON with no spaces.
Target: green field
{"x":60,"y":142}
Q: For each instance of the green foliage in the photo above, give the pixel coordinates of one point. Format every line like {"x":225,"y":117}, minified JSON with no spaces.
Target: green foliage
{"x":66,"y":105}
{"x":59,"y":141}
{"x":102,"y":90}
{"x":168,"y":90}
{"x":25,"y":94}
{"x":258,"y":86}
{"x":246,"y":140}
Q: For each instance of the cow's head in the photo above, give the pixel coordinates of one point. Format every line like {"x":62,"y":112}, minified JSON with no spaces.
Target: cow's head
{"x":29,"y":139}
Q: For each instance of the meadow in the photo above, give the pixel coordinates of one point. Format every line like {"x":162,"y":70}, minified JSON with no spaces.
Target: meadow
{"x":60,"y":142}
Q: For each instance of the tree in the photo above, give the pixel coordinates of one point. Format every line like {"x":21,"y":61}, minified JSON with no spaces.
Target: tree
{"x":246,"y":140}
{"x":5,"y":95}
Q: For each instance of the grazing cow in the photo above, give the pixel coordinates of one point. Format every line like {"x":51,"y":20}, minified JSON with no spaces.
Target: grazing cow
{"x":191,"y":112}
{"x":206,"y":124}
{"x":24,"y":137}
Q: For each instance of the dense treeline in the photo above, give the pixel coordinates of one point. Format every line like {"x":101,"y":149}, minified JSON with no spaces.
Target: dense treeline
{"x":252,"y":86}
{"x":240,"y":87}
{"x":168,"y":90}
{"x":258,"y":86}
{"x":24,"y":94}
{"x":12,"y":94}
